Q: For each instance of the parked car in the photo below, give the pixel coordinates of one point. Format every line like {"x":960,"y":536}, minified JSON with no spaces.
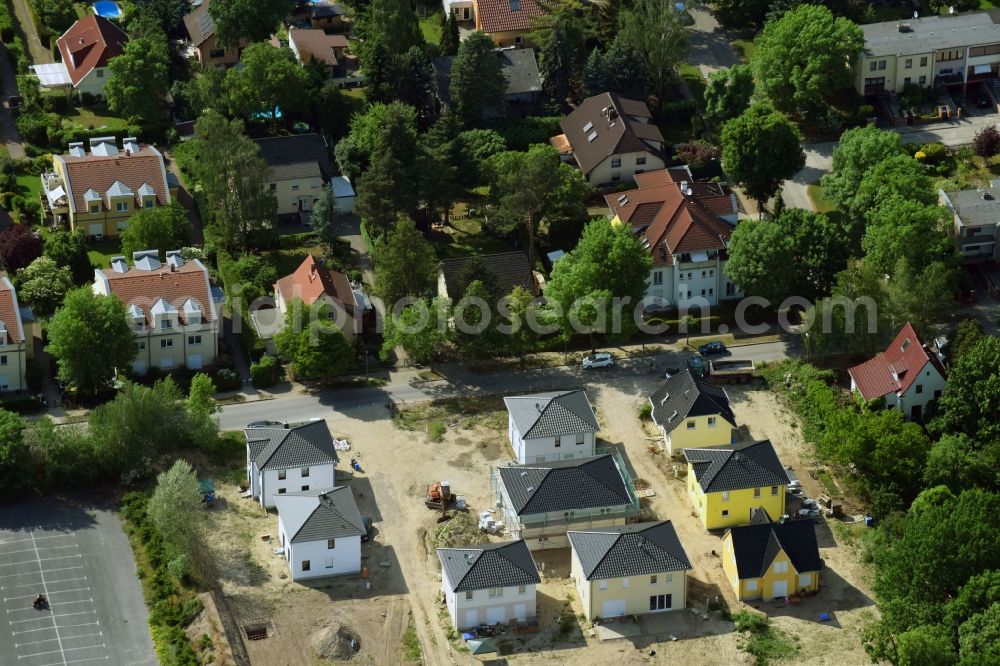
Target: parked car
{"x":599,"y":360}
{"x":367,"y":522}
{"x":265,"y":424}
{"x":714,"y":347}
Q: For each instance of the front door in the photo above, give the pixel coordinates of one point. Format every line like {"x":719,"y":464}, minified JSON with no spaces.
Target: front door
{"x":780,"y":589}
{"x":471,"y":618}
{"x":521,"y":612}
{"x":915,"y":413}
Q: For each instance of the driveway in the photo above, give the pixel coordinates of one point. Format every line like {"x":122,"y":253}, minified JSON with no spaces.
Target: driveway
{"x":711,"y":48}
{"x":819,"y":161}
{"x":951,"y":133}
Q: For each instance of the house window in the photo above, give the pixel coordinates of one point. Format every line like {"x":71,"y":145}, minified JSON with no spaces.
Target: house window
{"x":659,"y":602}
{"x":711,"y":421}
{"x":881,"y":64}
{"x":274,"y":186}
{"x":281,"y":491}
{"x":923,"y":63}
{"x":774,"y":491}
{"x":937,"y":394}
{"x":304,"y":472}
{"x":602,"y":585}
{"x":558,"y":442}
{"x":908,"y":63}
{"x":923,"y":80}
{"x":3,"y":360}
{"x":668,"y":578}
{"x":166,"y":344}
{"x":907,"y":81}
{"x":624,"y":583}
{"x":657,"y":277}
{"x":305,"y":488}
{"x":194,"y":339}
{"x":725,"y":513}
{"x":691,"y":425}
{"x":306,"y":565}
{"x":149,"y":203}
{"x":95,"y":208}
{"x":730,"y":289}
{"x":100,"y":73}
{"x":331,"y":544}
{"x":616,"y":162}
{"x":751,"y":586}
{"x":295,"y":187}
{"x":328,"y":562}
{"x":216,"y":53}
{"x":711,"y":291}
{"x":703,"y":273}
{"x":702,"y":292}
{"x":872,"y":66}
{"x":920,"y":388}
{"x":496,"y":592}
{"x":521,"y":589}
{"x":468,"y":595}
{"x":725,"y":495}
{"x":780,"y":567}
{"x":579,"y":439}
{"x":756,"y":492}
{"x":165,"y":323}
{"x":652,"y":580}
{"x":121,"y":206}
{"x":142,"y":345}
{"x":616,"y":178}
{"x":282,"y":474}
{"x":639,"y":161}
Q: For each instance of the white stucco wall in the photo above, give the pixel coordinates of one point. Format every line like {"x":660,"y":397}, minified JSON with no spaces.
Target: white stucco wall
{"x":604,"y":173}
{"x":929,"y":381}
{"x":94,"y":81}
{"x":320,"y":476}
{"x":343,"y":558}
{"x":512,"y":604}
{"x":543,"y":449}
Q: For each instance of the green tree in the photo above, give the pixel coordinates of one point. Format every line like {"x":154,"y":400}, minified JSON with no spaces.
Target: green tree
{"x":267,"y":78}
{"x":516,"y":311}
{"x":169,"y":14}
{"x":69,"y":248}
{"x":858,"y":150}
{"x":556,"y":66}
{"x":760,"y":151}
{"x":620,"y":70}
{"x":477,"y":83}
{"x":313,"y":342}
{"x":727,"y":94}
{"x":804,"y":56}
{"x":250,"y":20}
{"x":449,"y":37}
{"x":742,"y":13}
{"x":921,"y":297}
{"x":380,"y":129}
{"x":201,"y":405}
{"x":653,"y":28}
{"x":971,"y":401}
{"x":15,"y":456}
{"x":898,"y":176}
{"x":19,"y":246}
{"x":406,"y":264}
{"x":927,"y":645}
{"x":163,"y":228}
{"x":420,"y":329}
{"x":901,"y":228}
{"x":91,"y":339}
{"x":56,"y":15}
{"x":43,"y":284}
{"x":438,"y":174}
{"x":964,"y":338}
{"x":957,"y":462}
{"x":856,"y":316}
{"x":476,"y":319}
{"x":323,"y":217}
{"x":175,"y":509}
{"x":392,"y":24}
{"x":608,"y":263}
{"x":979,"y":637}
{"x":254,"y":274}
{"x":385,"y":189}
{"x":235,"y":180}
{"x":137,"y":80}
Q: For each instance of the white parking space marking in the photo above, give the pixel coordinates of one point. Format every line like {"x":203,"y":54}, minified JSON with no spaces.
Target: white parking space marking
{"x":79,"y":661}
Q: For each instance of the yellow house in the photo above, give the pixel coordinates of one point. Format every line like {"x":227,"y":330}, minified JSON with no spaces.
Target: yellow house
{"x":725,"y":485}
{"x":507,"y":22}
{"x":629,"y":569}
{"x":767,"y":560}
{"x":692,"y":413}
{"x":99,"y":191}
{"x":15,"y":346}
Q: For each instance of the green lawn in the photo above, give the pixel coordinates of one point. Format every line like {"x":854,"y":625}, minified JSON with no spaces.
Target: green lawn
{"x":745,"y":49}
{"x":95,"y":117}
{"x":431,"y":28}
{"x":293,"y":249}
{"x":100,"y":252}
{"x":29,"y":186}
{"x":822,"y":204}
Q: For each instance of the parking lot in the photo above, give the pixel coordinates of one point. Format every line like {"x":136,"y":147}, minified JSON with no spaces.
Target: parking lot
{"x":81,"y":561}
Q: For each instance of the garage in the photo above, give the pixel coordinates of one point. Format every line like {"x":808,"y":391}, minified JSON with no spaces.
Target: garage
{"x":495,"y":615}
{"x":344,"y":193}
{"x":615,"y":608}
{"x":779,"y":589}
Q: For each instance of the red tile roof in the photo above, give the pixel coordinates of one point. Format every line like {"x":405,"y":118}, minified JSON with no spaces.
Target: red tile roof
{"x":99,"y":173}
{"x":895,"y":369}
{"x":145,"y":288}
{"x":10,"y":315}
{"x":506,"y":15}
{"x":672,"y":222}
{"x":311,"y":280}
{"x":90,"y":42}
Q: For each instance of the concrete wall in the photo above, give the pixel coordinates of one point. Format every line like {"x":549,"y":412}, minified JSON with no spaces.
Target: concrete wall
{"x":543,"y":449}
{"x":513,"y":603}
{"x":320,"y":476}
{"x":604,"y":173}
{"x":343,"y":558}
{"x":779,"y":570}
{"x":635,"y":591}
{"x":718,"y":510}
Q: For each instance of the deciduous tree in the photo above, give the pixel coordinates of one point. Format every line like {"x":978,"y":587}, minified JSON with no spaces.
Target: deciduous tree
{"x":69,"y":248}
{"x":175,"y":509}
{"x":162,"y":228}
{"x":137,"y":80}
{"x":267,"y":78}
{"x":43,"y":284}
{"x":971,"y":402}
{"x":201,"y":405}
{"x":858,"y":151}
{"x":250,"y":20}
{"x":653,"y":28}
{"x":420,"y":330}
{"x":900,"y":228}
{"x":19,"y":246}
{"x":987,"y":141}
{"x":15,"y":456}
{"x":313,"y":342}
{"x":91,"y":339}
{"x":727,"y":94}
{"x":964,"y":338}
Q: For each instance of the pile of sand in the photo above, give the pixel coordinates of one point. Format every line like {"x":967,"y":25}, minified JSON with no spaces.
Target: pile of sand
{"x":334,"y":642}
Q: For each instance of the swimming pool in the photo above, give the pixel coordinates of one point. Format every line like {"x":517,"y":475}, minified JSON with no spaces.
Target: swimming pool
{"x":108,"y":9}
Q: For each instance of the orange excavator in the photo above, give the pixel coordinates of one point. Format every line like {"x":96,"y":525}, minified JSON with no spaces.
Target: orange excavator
{"x":439,"y":496}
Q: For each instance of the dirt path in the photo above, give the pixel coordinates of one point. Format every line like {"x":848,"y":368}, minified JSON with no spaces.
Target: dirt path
{"x":37,"y":51}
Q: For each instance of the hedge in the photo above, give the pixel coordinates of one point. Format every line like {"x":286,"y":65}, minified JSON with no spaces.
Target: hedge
{"x":521,"y":133}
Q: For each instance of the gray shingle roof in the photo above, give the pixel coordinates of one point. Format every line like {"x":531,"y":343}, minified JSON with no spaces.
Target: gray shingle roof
{"x":755,"y":546}
{"x":629,"y":550}
{"x":552,"y":414}
{"x":519,"y":66}
{"x":336,"y":515}
{"x":685,"y":395}
{"x":488,"y":565}
{"x":281,"y":448}
{"x":750,"y":465}
{"x":566,"y":485}
{"x":510,"y":268}
{"x":300,"y":156}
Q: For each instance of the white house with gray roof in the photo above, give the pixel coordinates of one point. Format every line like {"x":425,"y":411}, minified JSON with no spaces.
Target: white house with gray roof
{"x":629,"y":569}
{"x":288,"y":459}
{"x":975,"y":221}
{"x":540,"y":502}
{"x":551,"y":426}
{"x":320,"y":531}
{"x":491,"y":583}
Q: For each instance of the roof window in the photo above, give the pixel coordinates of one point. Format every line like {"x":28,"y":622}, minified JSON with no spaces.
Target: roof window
{"x":591,"y":136}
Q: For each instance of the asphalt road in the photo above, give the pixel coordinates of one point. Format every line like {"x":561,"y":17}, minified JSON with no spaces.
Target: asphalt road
{"x":369,"y":403}
{"x":81,"y":560}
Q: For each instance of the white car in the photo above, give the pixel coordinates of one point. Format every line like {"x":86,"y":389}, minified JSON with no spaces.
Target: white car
{"x":600,"y":360}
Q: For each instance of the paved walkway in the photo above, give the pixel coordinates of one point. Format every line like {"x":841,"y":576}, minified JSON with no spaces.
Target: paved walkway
{"x":819,"y":161}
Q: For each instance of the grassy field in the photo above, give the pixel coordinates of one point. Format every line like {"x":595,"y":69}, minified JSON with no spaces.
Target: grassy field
{"x":464,"y":236}
{"x":430,"y":26}
{"x":822,"y":204}
{"x":745,"y":49}
{"x":95,"y":117}
{"x":294,"y":248}
{"x":100,"y":252}
{"x":29,"y":186}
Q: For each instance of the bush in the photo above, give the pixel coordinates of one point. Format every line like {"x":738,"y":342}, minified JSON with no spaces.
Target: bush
{"x":22,"y":404}
{"x":934,"y":153}
{"x":57,"y":104}
{"x":645,"y":411}
{"x":226,"y":379}
{"x":34,"y":127}
{"x":265,"y":372}
{"x":987,"y":141}
{"x":696,"y":154}
{"x":520,"y":133}
{"x":679,"y":111}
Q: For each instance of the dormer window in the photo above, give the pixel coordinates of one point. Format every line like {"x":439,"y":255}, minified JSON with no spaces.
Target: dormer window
{"x":165,"y":324}
{"x":95,"y":208}
{"x":148,"y":203}
{"x":121,"y":206}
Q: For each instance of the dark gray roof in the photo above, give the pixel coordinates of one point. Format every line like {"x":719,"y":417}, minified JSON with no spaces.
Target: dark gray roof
{"x":518,"y":65}
{"x":749,"y":465}
{"x":511,"y":270}
{"x":325,"y":8}
{"x":629,"y":550}
{"x":628,"y":131}
{"x":755,"y":546}
{"x":566,"y":485}
{"x":336,"y":515}
{"x":300,"y":156}
{"x":685,"y":395}
{"x":931,"y":33}
{"x":281,"y":448}
{"x":976,"y":208}
{"x":552,"y":414}
{"x":488,"y":565}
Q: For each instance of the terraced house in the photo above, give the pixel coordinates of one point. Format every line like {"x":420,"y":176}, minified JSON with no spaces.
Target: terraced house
{"x":541,"y":502}
{"x":171,"y":307}
{"x":15,"y":347}
{"x":99,"y":191}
